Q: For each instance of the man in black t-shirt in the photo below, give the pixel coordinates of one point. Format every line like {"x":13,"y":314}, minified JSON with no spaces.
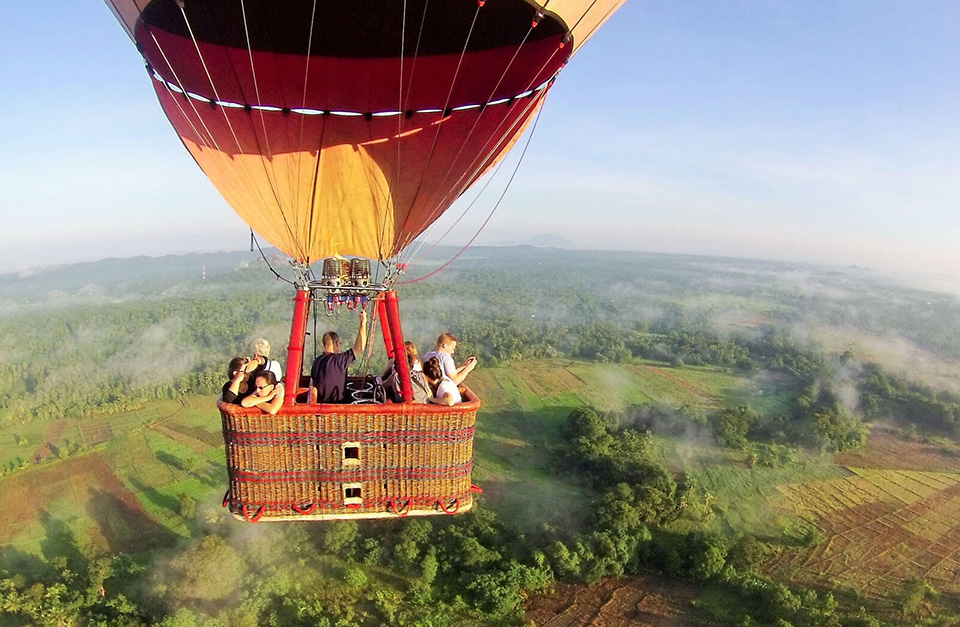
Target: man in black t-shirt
{"x":328,"y":376}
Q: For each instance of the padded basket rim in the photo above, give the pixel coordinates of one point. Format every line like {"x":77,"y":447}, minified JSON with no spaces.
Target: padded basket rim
{"x":472,"y":404}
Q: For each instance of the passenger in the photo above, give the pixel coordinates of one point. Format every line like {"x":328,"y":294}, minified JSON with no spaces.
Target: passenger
{"x":445,"y":391}
{"x":328,"y":376}
{"x":261,"y":360}
{"x":267,"y":393}
{"x":446,"y":346}
{"x":238,"y":386}
{"x":418,"y":382}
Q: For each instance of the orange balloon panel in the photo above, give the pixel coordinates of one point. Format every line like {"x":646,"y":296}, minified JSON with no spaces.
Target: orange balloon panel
{"x":368,"y":190}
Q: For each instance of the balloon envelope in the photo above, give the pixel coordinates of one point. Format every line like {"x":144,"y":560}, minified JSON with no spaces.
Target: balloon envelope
{"x":349,"y":126}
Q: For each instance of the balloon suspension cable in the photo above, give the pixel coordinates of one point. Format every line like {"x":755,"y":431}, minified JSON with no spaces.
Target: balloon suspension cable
{"x":253,"y":240}
{"x":533,"y":130}
{"x":473,"y":127}
{"x":480,"y":162}
{"x":446,"y":105}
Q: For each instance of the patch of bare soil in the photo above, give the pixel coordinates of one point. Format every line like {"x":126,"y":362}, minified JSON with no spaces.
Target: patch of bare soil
{"x":635,"y":602}
{"x":887,"y":449}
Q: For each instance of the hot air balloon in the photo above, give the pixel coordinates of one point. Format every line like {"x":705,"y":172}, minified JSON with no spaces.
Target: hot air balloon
{"x":343,"y":129}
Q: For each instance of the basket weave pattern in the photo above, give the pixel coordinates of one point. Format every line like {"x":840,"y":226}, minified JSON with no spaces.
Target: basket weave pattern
{"x":322,"y":462}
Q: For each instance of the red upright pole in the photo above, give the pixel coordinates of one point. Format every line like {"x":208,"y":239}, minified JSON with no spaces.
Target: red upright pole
{"x":385,"y":325}
{"x":392,"y":307}
{"x":298,"y":329}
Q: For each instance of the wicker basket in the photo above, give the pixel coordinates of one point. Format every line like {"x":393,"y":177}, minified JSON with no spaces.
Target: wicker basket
{"x":329,"y":462}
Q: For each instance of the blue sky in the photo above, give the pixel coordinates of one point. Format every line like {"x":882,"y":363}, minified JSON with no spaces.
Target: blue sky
{"x":811,"y":131}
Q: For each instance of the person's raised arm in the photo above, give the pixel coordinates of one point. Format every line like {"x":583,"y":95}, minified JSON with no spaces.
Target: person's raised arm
{"x":361,"y":342}
{"x":463,"y":370}
{"x":236,"y":382}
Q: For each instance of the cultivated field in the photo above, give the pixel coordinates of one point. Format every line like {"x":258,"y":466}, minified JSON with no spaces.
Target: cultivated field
{"x":639,"y":602}
{"x":891,"y":519}
{"x":121,"y":496}
{"x":881,"y":528}
{"x":884,"y":514}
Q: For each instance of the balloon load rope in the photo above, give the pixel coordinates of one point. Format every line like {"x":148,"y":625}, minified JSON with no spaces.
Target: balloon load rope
{"x":254,"y":242}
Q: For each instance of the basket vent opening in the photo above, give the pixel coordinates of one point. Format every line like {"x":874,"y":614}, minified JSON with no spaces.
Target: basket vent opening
{"x":352,"y":494}
{"x":351,"y":453}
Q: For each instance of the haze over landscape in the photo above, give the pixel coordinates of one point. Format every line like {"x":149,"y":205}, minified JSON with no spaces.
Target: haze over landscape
{"x":715,"y":321}
{"x":663,"y":440}
{"x":819,"y":132}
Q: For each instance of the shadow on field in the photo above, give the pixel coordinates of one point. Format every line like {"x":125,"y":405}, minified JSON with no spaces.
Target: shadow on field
{"x":60,"y":543}
{"x":515,"y":462}
{"x":162,"y":501}
{"x":126,"y":528}
{"x":15,"y":562}
{"x":535,"y":425}
{"x":170,"y":460}
{"x":532,"y":504}
{"x":212,"y":475}
{"x":58,"y":550}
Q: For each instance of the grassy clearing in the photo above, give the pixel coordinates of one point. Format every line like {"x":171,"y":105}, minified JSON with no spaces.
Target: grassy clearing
{"x":18,"y":442}
{"x":745,"y":500}
{"x":525,"y":406}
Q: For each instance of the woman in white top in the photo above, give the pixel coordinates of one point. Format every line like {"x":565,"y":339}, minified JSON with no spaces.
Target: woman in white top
{"x":445,"y":391}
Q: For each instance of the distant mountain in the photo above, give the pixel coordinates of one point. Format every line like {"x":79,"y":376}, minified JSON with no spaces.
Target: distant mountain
{"x":118,"y":278}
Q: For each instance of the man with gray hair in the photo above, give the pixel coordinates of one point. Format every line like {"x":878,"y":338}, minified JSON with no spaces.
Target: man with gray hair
{"x":261,"y":361}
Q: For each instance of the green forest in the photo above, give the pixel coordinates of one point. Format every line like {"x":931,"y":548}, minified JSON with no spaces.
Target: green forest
{"x":643,"y":417}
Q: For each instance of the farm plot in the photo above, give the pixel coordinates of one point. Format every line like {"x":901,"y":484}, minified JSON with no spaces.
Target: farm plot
{"x":530,"y":387}
{"x":744,"y":499}
{"x":55,"y":431}
{"x":617,"y":603}
{"x":80,"y":500}
{"x":888,"y":449}
{"x":103,"y":427}
{"x":549,"y":382}
{"x":200,"y":420}
{"x":612,"y":386}
{"x":881,"y":527}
